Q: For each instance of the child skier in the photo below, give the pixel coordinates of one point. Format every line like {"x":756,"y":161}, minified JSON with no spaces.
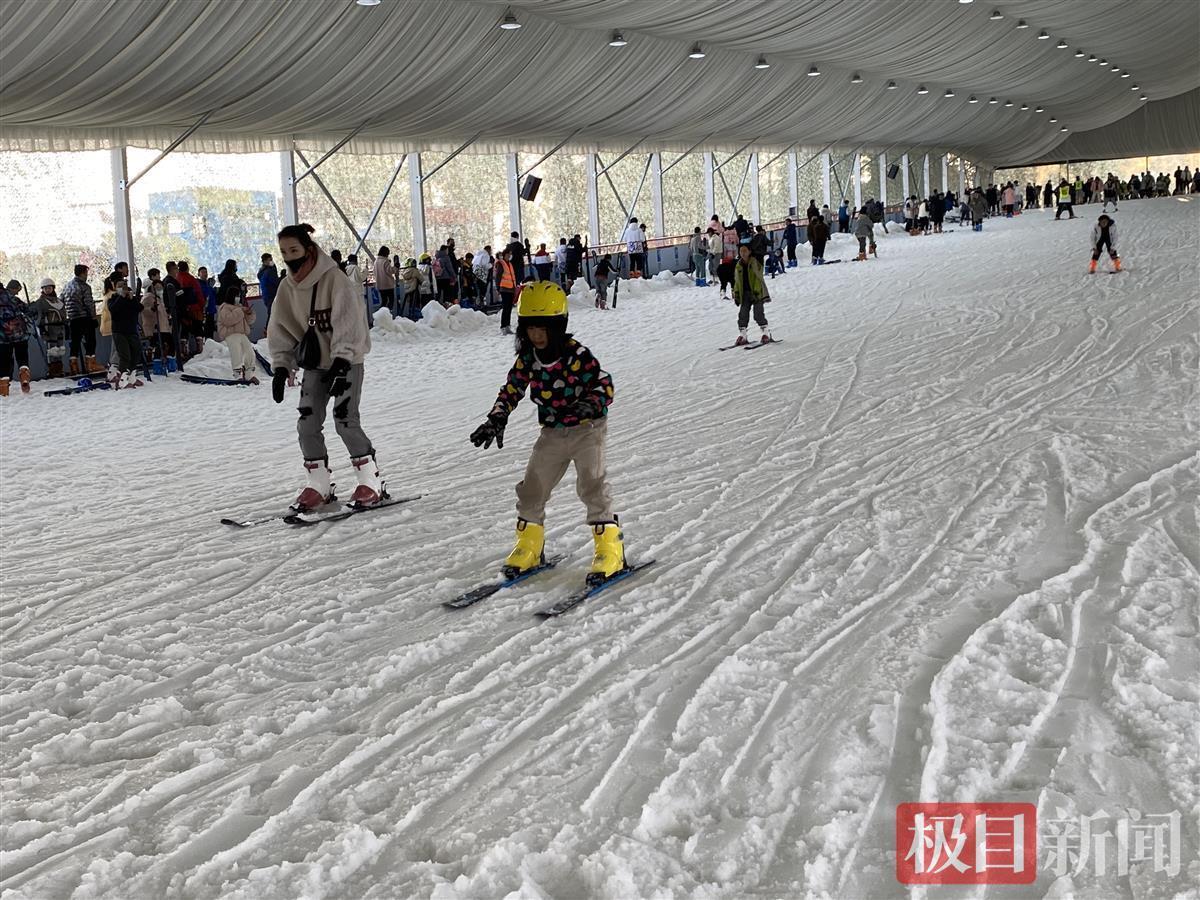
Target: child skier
{"x":14,"y":338}
{"x":234,"y":318}
{"x":317,"y":292}
{"x":1104,"y":235}
{"x":51,"y":314}
{"x":749,"y":290}
{"x":604,"y":269}
{"x":124,"y":312}
{"x":818,"y":237}
{"x":156,"y":325}
{"x":864,"y":230}
{"x":572,"y":393}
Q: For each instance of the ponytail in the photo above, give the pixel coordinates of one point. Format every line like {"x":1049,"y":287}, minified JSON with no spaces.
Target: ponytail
{"x":302,"y":233}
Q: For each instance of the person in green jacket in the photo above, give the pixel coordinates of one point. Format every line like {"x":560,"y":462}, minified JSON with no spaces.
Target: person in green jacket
{"x":749,"y":290}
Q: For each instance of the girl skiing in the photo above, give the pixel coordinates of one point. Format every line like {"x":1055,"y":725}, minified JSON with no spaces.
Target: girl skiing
{"x":572,"y":393}
{"x":156,"y":325}
{"x":749,"y":290}
{"x":52,"y":322}
{"x":316,"y":305}
{"x":1104,"y":235}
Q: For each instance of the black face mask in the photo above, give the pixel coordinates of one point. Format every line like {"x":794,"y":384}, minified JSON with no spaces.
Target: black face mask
{"x":296,"y":264}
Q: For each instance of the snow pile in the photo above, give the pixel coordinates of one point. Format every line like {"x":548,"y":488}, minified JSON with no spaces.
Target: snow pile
{"x":437,"y":322}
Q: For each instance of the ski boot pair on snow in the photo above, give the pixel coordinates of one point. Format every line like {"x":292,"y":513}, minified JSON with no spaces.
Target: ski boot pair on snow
{"x":1116,"y":260}
{"x":318,"y":492}
{"x":23,"y":376}
{"x":742,"y":340}
{"x":529,"y":552}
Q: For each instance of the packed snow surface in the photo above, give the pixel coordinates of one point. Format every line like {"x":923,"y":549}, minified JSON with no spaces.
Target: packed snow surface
{"x":939,"y":544}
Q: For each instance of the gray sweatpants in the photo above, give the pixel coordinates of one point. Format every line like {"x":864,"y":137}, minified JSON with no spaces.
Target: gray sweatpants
{"x":314,"y":398}
{"x":553,"y":451}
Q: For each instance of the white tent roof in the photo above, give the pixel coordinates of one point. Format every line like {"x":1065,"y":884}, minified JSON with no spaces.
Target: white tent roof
{"x":416,"y":74}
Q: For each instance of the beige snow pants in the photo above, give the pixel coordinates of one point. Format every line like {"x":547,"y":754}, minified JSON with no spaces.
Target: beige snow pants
{"x":553,"y":451}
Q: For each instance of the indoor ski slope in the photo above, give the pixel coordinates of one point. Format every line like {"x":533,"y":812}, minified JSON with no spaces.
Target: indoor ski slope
{"x":941,"y":543}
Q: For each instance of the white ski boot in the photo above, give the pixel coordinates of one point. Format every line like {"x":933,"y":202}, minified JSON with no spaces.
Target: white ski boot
{"x":319,"y":489}
{"x":370,"y":489}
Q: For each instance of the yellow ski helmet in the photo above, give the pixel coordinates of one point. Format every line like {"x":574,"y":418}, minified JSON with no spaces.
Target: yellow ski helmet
{"x":540,"y":299}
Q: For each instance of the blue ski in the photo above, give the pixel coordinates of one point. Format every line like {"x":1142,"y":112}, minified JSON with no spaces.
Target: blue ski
{"x":568,"y":603}
{"x":473,"y":596}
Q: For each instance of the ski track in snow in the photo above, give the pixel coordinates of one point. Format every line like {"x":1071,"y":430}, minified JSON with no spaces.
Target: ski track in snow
{"x":939,"y":544}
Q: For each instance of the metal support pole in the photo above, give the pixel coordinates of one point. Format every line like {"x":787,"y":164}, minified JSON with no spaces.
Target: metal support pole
{"x":925,"y":173}
{"x":545,"y":156}
{"x":755,"y":211}
{"x":945,"y":173}
{"x":710,"y":187}
{"x":593,"y":199}
{"x":167,"y":151}
{"x":122,"y":218}
{"x":656,"y":194}
{"x":512,"y":167}
{"x":379,"y":206}
{"x":904,"y":171}
{"x":793,"y":183}
{"x":328,"y":153}
{"x":287,"y":175}
{"x":417,"y":200}
{"x":883,"y":178}
{"x":857,"y":176}
{"x":825,"y":178}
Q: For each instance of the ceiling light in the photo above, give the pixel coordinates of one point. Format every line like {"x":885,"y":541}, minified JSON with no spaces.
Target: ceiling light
{"x":1104,"y":62}
{"x":1007,"y":104}
{"x":1125,"y":74}
{"x":1092,"y":58}
{"x":891,"y":85}
{"x":1024,"y":106}
{"x":1021,"y":24}
{"x":1062,"y":45}
{"x":509,"y":22}
{"x":856,"y":78}
{"x":1116,"y":68}
{"x":1079,"y":54}
{"x":996,"y":15}
{"x":1134,"y":87}
{"x":618,"y":40}
{"x":1039,"y":109}
{"x":813,"y":71}
{"x":1042,"y":36}
{"x":1053,"y":120}
{"x":973,"y":99}
{"x":993,"y":102}
{"x":696,"y":52}
{"x":966,"y":1}
{"x":367,"y":2}
{"x":1143,"y":97}
{"x":921,"y":89}
{"x":762,"y":63}
{"x":949,"y":92}
{"x":1064,"y":128}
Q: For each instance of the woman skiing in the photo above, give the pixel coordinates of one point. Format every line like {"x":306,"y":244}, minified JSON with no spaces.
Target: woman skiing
{"x":317,"y":302}
{"x":572,"y":393}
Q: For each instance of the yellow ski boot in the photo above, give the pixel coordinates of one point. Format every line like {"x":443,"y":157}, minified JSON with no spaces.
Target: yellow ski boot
{"x":531,"y":541}
{"x":610,"y":553}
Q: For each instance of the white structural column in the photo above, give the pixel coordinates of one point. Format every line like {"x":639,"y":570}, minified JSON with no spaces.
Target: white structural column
{"x":883,"y":178}
{"x":925,"y":175}
{"x":593,"y":200}
{"x":857,"y":176}
{"x":825,"y":179}
{"x":417,"y":199}
{"x":755,"y":211}
{"x":122,"y":219}
{"x":904,"y":172}
{"x":512,"y":170}
{"x":287,"y":177}
{"x":793,"y":182}
{"x":656,"y":195}
{"x":945,"y":173}
{"x":962,"y":184}
{"x":710,"y":186}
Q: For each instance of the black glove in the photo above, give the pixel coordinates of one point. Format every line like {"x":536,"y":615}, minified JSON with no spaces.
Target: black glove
{"x":584,"y":408}
{"x":491,"y":430}
{"x":336,"y":377}
{"x":279,"y":383}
